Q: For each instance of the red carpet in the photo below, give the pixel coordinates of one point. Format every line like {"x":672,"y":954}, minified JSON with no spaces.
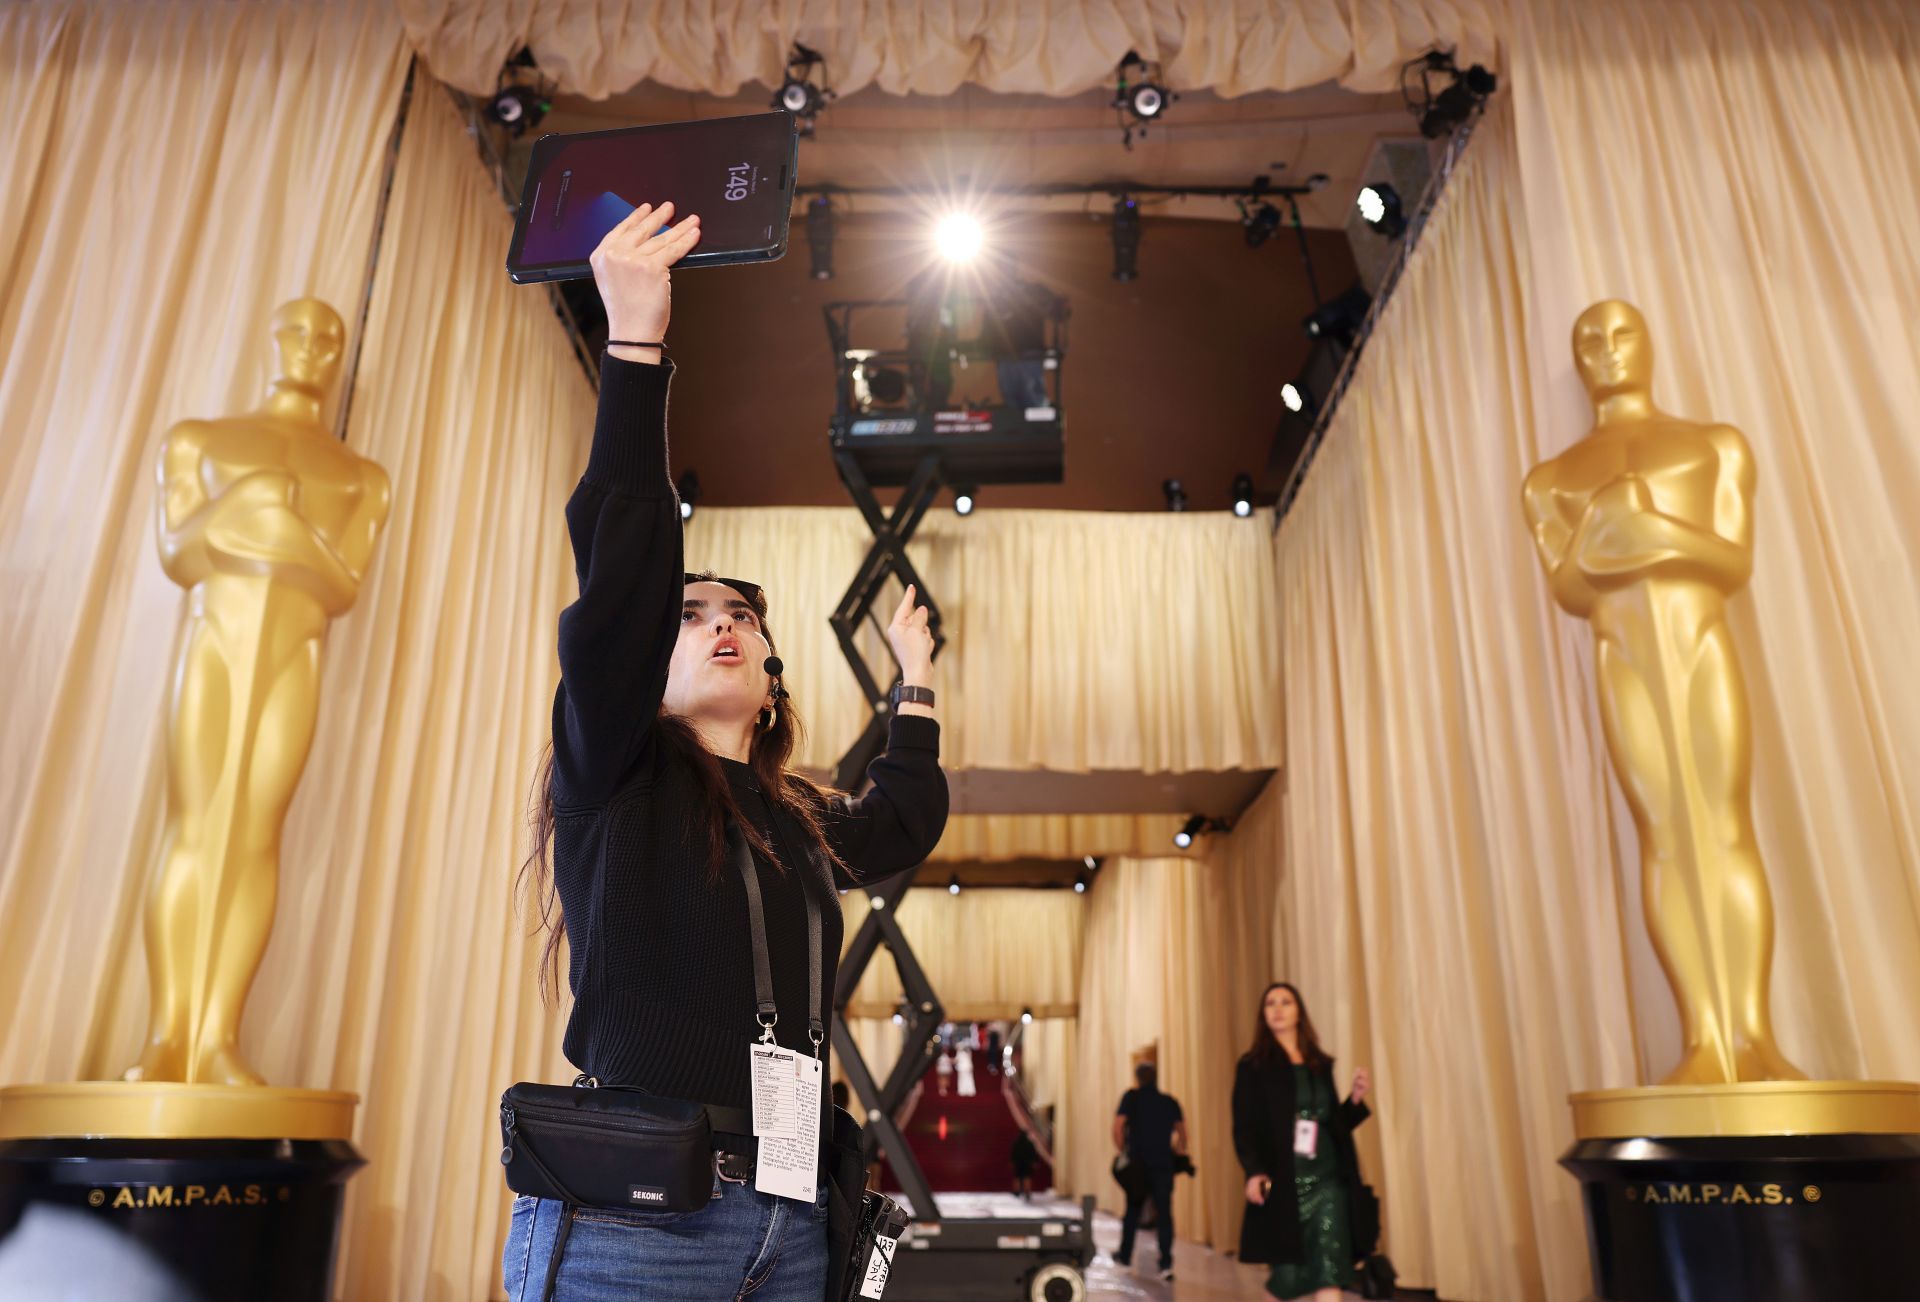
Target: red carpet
{"x":965,"y":1145}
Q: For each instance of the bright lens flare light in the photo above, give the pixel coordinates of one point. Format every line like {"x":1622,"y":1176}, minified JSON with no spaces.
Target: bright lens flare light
{"x":958,"y":237}
{"x":1372,"y":206}
{"x":1290,"y":395}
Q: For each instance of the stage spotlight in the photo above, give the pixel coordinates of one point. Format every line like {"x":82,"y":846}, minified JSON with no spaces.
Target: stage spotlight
{"x":1260,"y":223}
{"x":820,"y":235}
{"x":800,"y":98}
{"x":1380,"y":208}
{"x":1147,"y":100}
{"x":1441,"y":112}
{"x":1142,"y":101}
{"x":1188,"y":830}
{"x":1340,"y":318}
{"x":953,"y":885}
{"x":1243,"y":495}
{"x":1294,"y":396}
{"x":518,"y":108}
{"x":1080,"y":886}
{"x":689,"y":488}
{"x":800,"y":94}
{"x":1176,"y":494}
{"x":958,"y":237}
{"x":963,"y":501}
{"x":1126,"y":238}
{"x":1026,"y":1017}
{"x":521,"y":96}
{"x":1092,"y":863}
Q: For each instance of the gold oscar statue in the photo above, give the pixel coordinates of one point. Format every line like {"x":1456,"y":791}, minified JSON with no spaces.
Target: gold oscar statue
{"x":269,"y":522}
{"x":1645,"y":528}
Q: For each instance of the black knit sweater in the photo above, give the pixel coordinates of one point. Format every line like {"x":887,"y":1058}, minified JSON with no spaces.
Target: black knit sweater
{"x":661,"y":950}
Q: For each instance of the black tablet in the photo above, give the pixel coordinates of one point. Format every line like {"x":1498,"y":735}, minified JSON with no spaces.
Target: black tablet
{"x":738,"y":174}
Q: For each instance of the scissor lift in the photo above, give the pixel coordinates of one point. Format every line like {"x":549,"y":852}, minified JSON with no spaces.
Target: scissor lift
{"x":976,"y":1246}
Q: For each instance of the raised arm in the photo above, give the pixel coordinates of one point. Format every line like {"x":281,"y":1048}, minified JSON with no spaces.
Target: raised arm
{"x":617,"y":638}
{"x":623,"y":519}
{"x":898,"y":822}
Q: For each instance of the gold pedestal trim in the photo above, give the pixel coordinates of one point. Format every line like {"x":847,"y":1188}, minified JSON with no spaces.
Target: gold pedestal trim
{"x":1819,"y":1107}
{"x":166,"y":1110}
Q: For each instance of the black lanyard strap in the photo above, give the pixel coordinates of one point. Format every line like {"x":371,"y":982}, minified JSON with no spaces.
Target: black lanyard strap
{"x":766,"y":1009}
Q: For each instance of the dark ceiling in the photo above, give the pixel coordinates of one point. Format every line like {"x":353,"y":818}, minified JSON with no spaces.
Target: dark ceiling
{"x":1174,"y":375}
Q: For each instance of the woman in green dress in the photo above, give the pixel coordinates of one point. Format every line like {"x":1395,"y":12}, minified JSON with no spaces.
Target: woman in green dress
{"x":1294,"y":1137}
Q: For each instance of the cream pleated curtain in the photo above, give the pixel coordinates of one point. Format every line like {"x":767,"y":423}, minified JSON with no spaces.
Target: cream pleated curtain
{"x":990,"y":954}
{"x":1177,"y":953}
{"x":1081,"y":639}
{"x":932,"y":47}
{"x":994,"y":837}
{"x":1001,"y":949}
{"x":1457,"y":880}
{"x":1134,"y":938}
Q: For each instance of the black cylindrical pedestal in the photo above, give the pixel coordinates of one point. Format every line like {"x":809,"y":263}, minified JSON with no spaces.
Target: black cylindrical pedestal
{"x":1761,"y":1219}
{"x":237,"y":1218}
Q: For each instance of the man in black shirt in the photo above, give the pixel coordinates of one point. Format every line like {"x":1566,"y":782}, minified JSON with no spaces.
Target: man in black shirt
{"x":1149,"y":1130}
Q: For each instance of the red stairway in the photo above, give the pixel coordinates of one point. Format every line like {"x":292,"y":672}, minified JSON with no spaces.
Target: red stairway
{"x":965,"y":1145}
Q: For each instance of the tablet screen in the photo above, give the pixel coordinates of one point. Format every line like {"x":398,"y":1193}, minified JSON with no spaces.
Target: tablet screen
{"x":733,"y":172}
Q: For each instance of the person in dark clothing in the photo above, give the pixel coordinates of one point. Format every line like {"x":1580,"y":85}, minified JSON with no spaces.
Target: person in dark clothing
{"x":1026,"y":1156}
{"x":1149,"y":1130}
{"x":1294,"y":1137}
{"x":670,"y":725}
{"x":933,"y":306}
{"x":1013,"y":332}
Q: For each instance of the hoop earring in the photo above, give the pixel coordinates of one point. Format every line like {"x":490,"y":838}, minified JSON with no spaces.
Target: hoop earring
{"x":773,"y":719}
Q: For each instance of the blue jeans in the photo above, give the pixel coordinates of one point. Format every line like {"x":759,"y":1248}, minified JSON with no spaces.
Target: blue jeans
{"x":742,"y":1244}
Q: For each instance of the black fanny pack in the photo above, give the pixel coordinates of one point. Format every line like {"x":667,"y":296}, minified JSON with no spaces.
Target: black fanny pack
{"x":606,"y":1147}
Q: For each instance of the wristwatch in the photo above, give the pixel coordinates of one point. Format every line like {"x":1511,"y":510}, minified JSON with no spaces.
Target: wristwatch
{"x":904,"y":695}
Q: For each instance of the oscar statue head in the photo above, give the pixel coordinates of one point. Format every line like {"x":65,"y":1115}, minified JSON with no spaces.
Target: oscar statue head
{"x":309,"y":337}
{"x":1613,"y":351}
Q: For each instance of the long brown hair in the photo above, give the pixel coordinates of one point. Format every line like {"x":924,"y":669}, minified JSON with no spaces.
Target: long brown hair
{"x":797,"y":796}
{"x":1266,"y":1047}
